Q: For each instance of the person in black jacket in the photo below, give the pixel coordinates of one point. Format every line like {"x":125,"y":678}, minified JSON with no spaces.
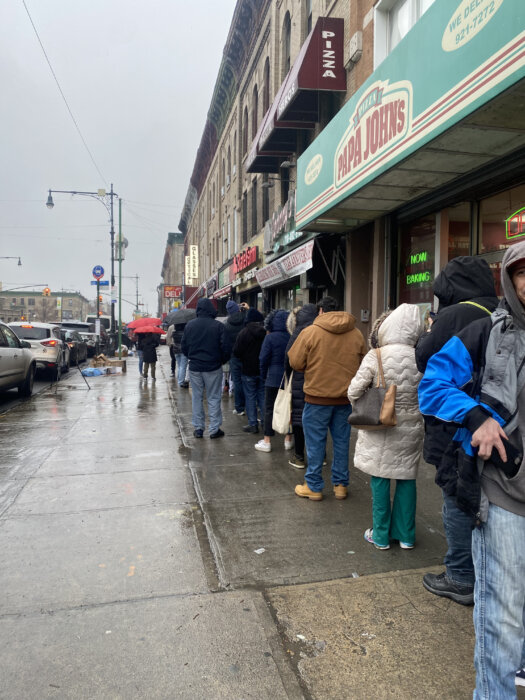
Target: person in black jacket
{"x":232,"y":327}
{"x":149,"y":345}
{"x":205,"y":345}
{"x":300,"y":318}
{"x":246,"y":349}
{"x":466,"y":293}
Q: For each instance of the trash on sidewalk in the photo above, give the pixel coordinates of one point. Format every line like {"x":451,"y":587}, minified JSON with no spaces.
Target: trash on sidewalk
{"x":109,"y":362}
{"x":260,"y":550}
{"x":99,"y":371}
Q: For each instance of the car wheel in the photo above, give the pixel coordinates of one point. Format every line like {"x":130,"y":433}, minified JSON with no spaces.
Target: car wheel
{"x":26,"y":389}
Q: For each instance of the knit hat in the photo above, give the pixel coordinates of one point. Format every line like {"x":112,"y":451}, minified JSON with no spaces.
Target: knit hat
{"x":232,"y":307}
{"x":254,"y":316}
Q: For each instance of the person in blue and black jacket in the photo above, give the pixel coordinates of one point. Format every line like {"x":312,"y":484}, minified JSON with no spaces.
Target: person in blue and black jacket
{"x":477,"y":383}
{"x":466,"y":293}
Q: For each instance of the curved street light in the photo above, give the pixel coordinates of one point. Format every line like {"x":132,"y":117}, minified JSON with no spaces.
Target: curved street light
{"x":106,"y":199}
{"x":11,"y":257}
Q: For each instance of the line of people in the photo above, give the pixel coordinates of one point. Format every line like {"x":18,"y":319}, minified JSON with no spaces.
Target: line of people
{"x":460,"y":403}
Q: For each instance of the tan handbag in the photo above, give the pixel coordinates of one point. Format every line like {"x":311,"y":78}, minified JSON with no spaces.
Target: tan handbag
{"x":375,"y":409}
{"x":282,"y":408}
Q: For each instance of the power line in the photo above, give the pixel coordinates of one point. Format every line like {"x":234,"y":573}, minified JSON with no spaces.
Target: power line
{"x":63,"y":96}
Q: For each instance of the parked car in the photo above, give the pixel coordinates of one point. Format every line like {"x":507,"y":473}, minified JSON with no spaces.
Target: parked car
{"x":77,"y":346}
{"x":50,"y":352}
{"x":17,"y":364}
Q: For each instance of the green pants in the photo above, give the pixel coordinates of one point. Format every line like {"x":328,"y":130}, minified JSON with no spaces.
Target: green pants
{"x":396,"y":521}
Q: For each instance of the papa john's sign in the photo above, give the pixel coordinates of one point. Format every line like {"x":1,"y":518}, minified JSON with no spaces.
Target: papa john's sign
{"x":382,"y":119}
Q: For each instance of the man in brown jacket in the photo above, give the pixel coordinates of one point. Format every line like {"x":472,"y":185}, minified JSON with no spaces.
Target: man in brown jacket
{"x":329,"y":353}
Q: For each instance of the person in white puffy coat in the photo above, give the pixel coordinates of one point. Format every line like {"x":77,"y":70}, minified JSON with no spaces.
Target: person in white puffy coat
{"x":392,"y":453}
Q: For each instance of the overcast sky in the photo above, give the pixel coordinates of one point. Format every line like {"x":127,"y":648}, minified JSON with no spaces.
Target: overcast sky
{"x":138,"y":78}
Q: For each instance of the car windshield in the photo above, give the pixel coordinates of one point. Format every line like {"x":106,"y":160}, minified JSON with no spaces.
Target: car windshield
{"x":31,"y":332}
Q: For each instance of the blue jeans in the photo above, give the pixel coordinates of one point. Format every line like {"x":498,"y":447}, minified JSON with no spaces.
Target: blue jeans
{"x":458,"y":531}
{"x":211,"y":382}
{"x":238,"y":390}
{"x":254,"y":394}
{"x":182,"y":363}
{"x":141,"y":360}
{"x":317,"y":420}
{"x":499,"y":603}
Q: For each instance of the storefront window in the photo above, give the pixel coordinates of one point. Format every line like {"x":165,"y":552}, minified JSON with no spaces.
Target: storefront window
{"x":495,"y":233}
{"x":458,"y":230}
{"x":417,"y":253}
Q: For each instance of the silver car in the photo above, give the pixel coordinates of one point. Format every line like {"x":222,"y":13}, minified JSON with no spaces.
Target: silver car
{"x":50,"y":352}
{"x":17,"y":365}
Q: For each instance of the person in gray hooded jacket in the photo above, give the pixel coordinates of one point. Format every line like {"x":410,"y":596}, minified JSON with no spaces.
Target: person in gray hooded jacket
{"x":477,"y":381}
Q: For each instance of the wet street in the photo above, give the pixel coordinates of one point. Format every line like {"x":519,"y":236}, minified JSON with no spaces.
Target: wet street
{"x":139,"y":562}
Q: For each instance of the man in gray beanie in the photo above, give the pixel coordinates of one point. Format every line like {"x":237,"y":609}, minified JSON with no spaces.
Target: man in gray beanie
{"x":477,"y":382}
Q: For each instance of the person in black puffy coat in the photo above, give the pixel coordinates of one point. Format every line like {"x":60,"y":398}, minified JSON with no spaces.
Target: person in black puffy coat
{"x":246,"y":350}
{"x":271,"y":361}
{"x":149,"y":345}
{"x":300,"y":318}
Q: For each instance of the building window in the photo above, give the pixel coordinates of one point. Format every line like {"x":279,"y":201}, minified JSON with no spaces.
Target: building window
{"x":265,"y":200}
{"x":245,"y":218}
{"x":235,"y":231}
{"x":308,"y":17}
{"x":70,"y":302}
{"x":31,"y":301}
{"x":13,"y":301}
{"x":416,"y":262}
{"x":229,"y":236}
{"x":229,"y":167}
{"x":255,"y":111}
{"x":266,"y":86}
{"x":234,"y":166}
{"x":495,"y":233}
{"x":245,"y":132}
{"x":286,"y":44}
{"x":457,"y":220}
{"x":254,"y":208}
{"x":22,"y":301}
{"x":393,"y":19}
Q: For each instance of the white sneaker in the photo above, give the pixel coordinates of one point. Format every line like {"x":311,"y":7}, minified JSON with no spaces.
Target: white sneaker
{"x":238,"y":413}
{"x":263,"y":446}
{"x":288,"y":444}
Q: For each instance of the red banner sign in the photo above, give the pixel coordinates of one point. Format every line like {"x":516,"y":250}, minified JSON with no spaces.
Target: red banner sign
{"x":245,"y":259}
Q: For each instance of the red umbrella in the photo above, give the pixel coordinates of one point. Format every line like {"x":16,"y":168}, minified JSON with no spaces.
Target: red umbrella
{"x":143,"y":321}
{"x":148,"y":329}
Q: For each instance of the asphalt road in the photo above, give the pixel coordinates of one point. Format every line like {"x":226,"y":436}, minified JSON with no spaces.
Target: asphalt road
{"x":10,"y":399}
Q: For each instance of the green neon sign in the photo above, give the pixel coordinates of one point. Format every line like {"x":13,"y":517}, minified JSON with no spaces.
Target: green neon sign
{"x":515,"y":224}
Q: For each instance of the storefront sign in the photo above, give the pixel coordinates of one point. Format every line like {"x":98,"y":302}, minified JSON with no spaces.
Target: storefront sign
{"x":281,"y":219}
{"x":172,"y":291}
{"x":245,"y":259}
{"x":515,"y":224}
{"x":194,"y":262}
{"x":223,"y":292}
{"x":294,"y":263}
{"x":405,"y":104}
{"x":249,"y":275}
{"x":421,"y":275}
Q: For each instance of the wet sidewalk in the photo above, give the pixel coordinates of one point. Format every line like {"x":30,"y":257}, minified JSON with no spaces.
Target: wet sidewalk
{"x":139,"y":562}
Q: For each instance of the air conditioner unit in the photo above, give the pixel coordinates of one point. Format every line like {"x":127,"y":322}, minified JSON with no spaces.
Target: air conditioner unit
{"x":222,"y":191}
{"x":234,"y":169}
{"x":227,"y":180}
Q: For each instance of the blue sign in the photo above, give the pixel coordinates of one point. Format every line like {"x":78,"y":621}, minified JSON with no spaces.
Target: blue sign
{"x":98,"y":272}
{"x":103,"y":283}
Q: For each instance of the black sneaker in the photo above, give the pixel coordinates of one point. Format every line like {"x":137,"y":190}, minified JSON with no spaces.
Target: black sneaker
{"x":251,"y":428}
{"x":440,"y":584}
{"x":198,"y":433}
{"x":184,"y":385}
{"x":219,"y":433}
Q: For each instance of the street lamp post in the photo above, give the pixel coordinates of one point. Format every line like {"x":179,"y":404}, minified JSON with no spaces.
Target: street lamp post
{"x":106,"y":198}
{"x":11,"y":257}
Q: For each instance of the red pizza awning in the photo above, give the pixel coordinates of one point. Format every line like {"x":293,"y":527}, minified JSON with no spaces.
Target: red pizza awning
{"x":318,"y":67}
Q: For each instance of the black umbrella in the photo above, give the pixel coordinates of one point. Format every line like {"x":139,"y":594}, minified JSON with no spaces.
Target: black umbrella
{"x":179,"y":316}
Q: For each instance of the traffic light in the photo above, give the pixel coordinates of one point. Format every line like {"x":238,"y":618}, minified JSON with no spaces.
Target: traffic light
{"x":46,"y":292}
{"x":100,"y":298}
{"x":100,"y":313}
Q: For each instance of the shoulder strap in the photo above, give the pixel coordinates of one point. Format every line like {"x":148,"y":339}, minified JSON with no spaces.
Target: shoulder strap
{"x":480,"y":306}
{"x":380,"y":375}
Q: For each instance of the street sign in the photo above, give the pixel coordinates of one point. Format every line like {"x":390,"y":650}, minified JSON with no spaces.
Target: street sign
{"x":98,"y":272}
{"x":172,"y":291}
{"x":101,"y":283}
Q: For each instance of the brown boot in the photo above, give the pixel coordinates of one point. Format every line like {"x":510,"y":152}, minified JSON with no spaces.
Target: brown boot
{"x":304,"y":491}
{"x":340,"y":491}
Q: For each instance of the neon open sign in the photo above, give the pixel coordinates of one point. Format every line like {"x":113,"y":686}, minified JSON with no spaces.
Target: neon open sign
{"x":515,"y":224}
